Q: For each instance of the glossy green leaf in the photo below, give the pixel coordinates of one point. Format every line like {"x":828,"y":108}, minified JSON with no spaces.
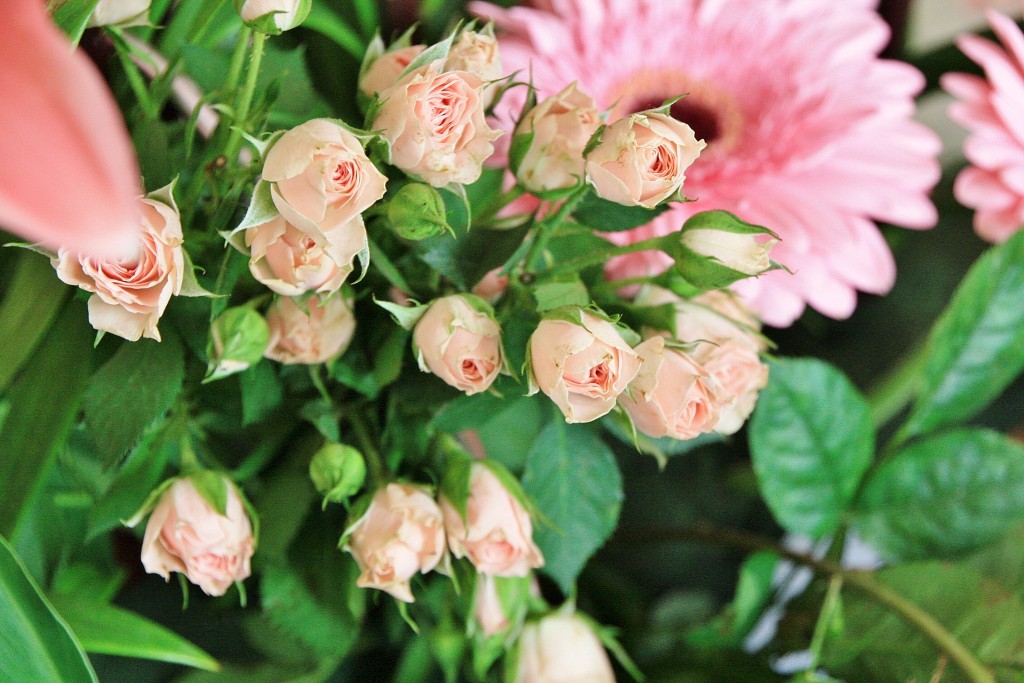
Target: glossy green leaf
{"x":812,"y":440}
{"x":977,"y":346}
{"x":944,"y":495}
{"x":605,"y":216}
{"x":106,"y":629}
{"x":35,"y":643}
{"x":575,"y":481}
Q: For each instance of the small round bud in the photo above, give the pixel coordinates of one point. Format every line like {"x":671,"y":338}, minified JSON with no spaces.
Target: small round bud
{"x":417,"y":212}
{"x":337,"y":471}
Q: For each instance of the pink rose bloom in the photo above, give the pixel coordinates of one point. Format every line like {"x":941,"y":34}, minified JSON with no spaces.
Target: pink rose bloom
{"x":459,"y":344}
{"x":400,"y":535}
{"x":487,"y":609}
{"x":185,"y":534}
{"x":385,"y":70}
{"x":561,"y":126}
{"x":131,"y":292}
{"x":561,"y":649}
{"x":739,"y":374}
{"x":434,"y":122}
{"x":716,"y":316}
{"x":291,"y":262}
{"x":491,"y":286}
{"x":497,"y":534}
{"x":478,"y":53}
{"x":320,"y":177}
{"x":316,"y":332}
{"x":991,"y":109}
{"x":672,"y":395}
{"x":582,"y":368}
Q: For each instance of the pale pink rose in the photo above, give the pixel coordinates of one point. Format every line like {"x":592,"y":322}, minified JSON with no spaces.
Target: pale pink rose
{"x":290,"y":262}
{"x":582,"y":368}
{"x":320,"y":177}
{"x":561,"y":126}
{"x":185,"y":534}
{"x":672,"y":395}
{"x":487,"y":609}
{"x":459,"y":344}
{"x":120,"y":12}
{"x":497,"y":533}
{"x":385,"y":70}
{"x":477,"y":53}
{"x":642,"y":159}
{"x":739,"y":374}
{"x":286,"y":12}
{"x":434,"y":122}
{"x":130,"y":293}
{"x":316,"y":332}
{"x":401,"y":534}
{"x":715,"y":316}
{"x":562,"y":649}
{"x":491,"y":286}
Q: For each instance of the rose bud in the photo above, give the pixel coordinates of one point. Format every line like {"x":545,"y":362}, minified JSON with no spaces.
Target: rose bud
{"x":716,"y":316}
{"x":417,"y":212}
{"x":317,"y":333}
{"x":337,"y":471}
{"x":273,"y":16}
{"x":642,"y":159}
{"x":186,"y":533}
{"x":554,"y":134}
{"x":496,"y":533}
{"x":434,"y":122}
{"x":716,"y":249}
{"x":291,"y":262}
{"x":477,"y":52}
{"x":320,"y":177}
{"x":672,"y":395}
{"x":120,"y":13}
{"x":487,"y":609}
{"x":385,"y":70}
{"x":401,"y":534}
{"x":739,"y":374}
{"x":131,"y":292}
{"x":238,"y":338}
{"x":582,"y":367}
{"x":458,"y":340}
{"x":561,"y":649}
{"x":491,"y":286}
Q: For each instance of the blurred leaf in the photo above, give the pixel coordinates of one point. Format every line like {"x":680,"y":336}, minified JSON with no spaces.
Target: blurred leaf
{"x":266,"y":673}
{"x":290,"y":605}
{"x":73,"y":16}
{"x":322,"y":415}
{"x":944,"y":495}
{"x":261,"y":392}
{"x":812,"y":440}
{"x":44,"y":402}
{"x":106,"y":629}
{"x":552,"y":295}
{"x":34,"y":298}
{"x":325,"y":21}
{"x":135,"y":387}
{"x":754,"y":590}
{"x":977,"y":346}
{"x":605,"y":216}
{"x":371,"y":364}
{"x":575,"y":481}
{"x":35,"y":643}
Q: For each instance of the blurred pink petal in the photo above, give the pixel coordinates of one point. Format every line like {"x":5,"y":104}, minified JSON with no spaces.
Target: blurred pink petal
{"x":68,"y":175}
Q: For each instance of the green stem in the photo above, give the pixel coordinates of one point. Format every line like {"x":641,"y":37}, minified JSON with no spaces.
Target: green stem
{"x":825,"y":619}
{"x":244,"y":101}
{"x":596,"y":257}
{"x":888,"y":397}
{"x":378,"y":471}
{"x":544,"y":229}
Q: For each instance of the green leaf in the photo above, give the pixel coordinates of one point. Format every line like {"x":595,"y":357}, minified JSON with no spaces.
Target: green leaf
{"x":605,"y":216}
{"x":944,"y":495}
{"x":812,"y":440}
{"x":34,"y":298}
{"x":290,"y":605}
{"x":135,"y":387}
{"x":213,"y":487}
{"x":575,"y":481}
{"x":325,"y":21}
{"x":109,"y":630}
{"x":73,"y":16}
{"x":44,"y":402}
{"x":35,"y":643}
{"x":552,"y":295}
{"x":977,"y":346}
{"x":754,"y":591}
{"x":261,"y":392}
{"x":261,"y":208}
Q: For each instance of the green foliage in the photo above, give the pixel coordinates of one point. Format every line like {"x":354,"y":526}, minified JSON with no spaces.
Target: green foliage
{"x":72,"y":17}
{"x":295,"y":610}
{"x":35,"y":643}
{"x":575,"y":481}
{"x":605,"y":216}
{"x":944,"y":495}
{"x":811,"y":440}
{"x":754,"y":591}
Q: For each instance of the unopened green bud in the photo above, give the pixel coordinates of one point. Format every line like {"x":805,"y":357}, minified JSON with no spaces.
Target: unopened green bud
{"x":417,"y":212}
{"x":237,"y":340}
{"x":338,"y":471}
{"x":716,"y":249}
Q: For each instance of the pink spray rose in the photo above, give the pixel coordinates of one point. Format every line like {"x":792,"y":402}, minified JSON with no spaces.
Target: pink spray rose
{"x":582,"y":367}
{"x":290,"y":262}
{"x":642,"y":159}
{"x":314,"y":333}
{"x":320,"y":177}
{"x":477,"y":52}
{"x":497,"y":533}
{"x":562,"y":649}
{"x":561,"y":126}
{"x":185,"y":534}
{"x":491,"y":286}
{"x":459,"y":344}
{"x":131,"y":292}
{"x":385,"y":70}
{"x":434,"y":122}
{"x":401,"y":534}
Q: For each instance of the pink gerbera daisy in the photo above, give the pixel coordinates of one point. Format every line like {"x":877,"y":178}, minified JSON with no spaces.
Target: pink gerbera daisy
{"x":992,"y":110}
{"x":808,"y":132}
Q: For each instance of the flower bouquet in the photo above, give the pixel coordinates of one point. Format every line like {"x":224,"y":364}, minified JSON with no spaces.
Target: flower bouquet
{"x":438,"y":341}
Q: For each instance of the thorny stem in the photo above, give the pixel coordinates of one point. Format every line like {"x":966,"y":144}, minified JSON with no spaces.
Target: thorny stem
{"x":545,"y":227}
{"x":244,"y":102}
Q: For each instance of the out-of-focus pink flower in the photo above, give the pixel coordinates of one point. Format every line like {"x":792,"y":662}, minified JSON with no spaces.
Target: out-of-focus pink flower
{"x":69,"y":177}
{"x":808,"y":132}
{"x":992,"y":109}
